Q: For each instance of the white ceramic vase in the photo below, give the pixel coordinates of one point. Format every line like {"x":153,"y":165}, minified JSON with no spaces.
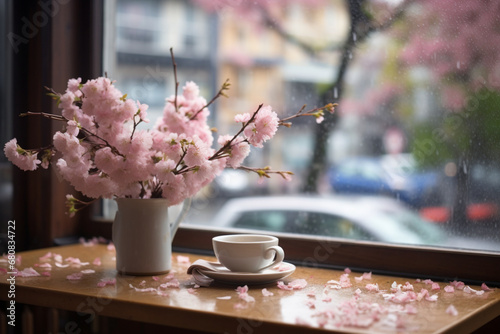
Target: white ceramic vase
{"x":143,"y":234}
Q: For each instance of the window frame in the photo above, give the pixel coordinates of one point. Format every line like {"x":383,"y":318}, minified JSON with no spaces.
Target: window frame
{"x":474,"y":267}
{"x":46,"y":220}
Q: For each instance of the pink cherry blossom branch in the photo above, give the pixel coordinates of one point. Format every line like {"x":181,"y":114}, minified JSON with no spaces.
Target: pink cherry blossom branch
{"x":316,"y":112}
{"x":74,"y":204}
{"x":175,"y":78}
{"x":227,"y":145}
{"x":184,"y":168}
{"x":265,"y":171}
{"x":225,"y":86}
{"x":64,"y":119}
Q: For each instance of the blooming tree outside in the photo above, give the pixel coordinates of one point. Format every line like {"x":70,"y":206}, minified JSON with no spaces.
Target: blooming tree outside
{"x":460,"y":47}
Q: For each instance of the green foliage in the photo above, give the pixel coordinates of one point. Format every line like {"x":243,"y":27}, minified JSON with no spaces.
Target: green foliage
{"x":473,"y":133}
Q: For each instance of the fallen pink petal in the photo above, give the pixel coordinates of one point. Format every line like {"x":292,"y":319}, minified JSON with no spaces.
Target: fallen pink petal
{"x":27,"y":272}
{"x":76,"y":262}
{"x":45,"y":265}
{"x":143,"y":289}
{"x":372,"y":287}
{"x":224,"y":297}
{"x":452,"y":310}
{"x":266,"y":293}
{"x":458,"y":285}
{"x":296,"y":284}
{"x":449,"y":289}
{"x":74,"y":277}
{"x":432,"y":298}
{"x":435,"y":286}
{"x":242,"y":289}
{"x":183,"y":259}
{"x":88,"y":271}
{"x":46,"y":257}
{"x":106,"y":281}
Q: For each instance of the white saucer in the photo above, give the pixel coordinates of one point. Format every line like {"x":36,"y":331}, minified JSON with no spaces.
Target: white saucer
{"x":224,"y":275}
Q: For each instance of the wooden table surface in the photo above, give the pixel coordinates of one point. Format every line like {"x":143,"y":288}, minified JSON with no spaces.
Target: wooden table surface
{"x":219,"y":308}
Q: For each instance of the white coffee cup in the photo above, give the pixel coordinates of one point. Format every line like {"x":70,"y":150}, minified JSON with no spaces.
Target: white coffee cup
{"x":247,"y":252}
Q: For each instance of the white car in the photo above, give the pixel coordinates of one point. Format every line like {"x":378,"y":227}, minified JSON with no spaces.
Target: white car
{"x":353,"y":217}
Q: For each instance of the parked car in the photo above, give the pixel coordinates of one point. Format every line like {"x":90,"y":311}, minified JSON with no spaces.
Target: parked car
{"x":352,"y":217}
{"x":483,"y":196}
{"x":397,"y":176}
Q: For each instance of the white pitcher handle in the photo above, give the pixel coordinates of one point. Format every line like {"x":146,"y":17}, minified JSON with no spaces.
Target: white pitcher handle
{"x":185,"y":207}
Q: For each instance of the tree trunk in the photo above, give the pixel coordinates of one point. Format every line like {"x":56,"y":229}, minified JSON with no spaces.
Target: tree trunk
{"x":334,"y":93}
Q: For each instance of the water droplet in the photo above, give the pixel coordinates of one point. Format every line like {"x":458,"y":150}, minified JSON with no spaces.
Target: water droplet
{"x":458,"y":64}
{"x":335,"y":92}
{"x":465,"y":168}
{"x":354,"y":37}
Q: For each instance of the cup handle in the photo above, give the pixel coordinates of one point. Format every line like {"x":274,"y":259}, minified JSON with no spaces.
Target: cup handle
{"x":280,"y":255}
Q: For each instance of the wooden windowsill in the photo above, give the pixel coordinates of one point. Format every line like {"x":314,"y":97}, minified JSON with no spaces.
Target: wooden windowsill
{"x":202,"y":309}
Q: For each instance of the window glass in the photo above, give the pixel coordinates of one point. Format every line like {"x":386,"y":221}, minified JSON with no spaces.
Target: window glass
{"x":411,"y":154}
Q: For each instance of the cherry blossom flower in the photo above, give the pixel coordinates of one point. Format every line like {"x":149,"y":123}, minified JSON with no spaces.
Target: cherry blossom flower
{"x":103,"y":153}
{"x":23,"y":159}
{"x":263,"y":128}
